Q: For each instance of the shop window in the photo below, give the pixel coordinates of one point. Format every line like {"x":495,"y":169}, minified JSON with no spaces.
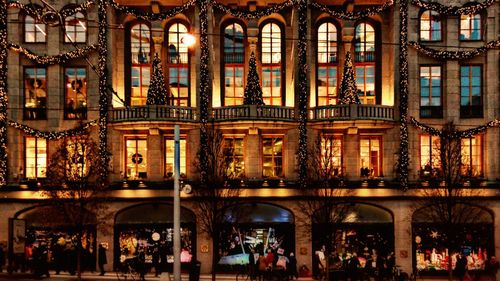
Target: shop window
{"x":77,"y":165}
{"x":169,"y":158}
{"x":327,"y":65}
{"x":331,"y":156}
{"x":471,"y":100}
{"x":430,"y":92}
{"x":470,"y":27}
{"x":140,"y":58}
{"x":365,"y":62}
{"x":34,"y":30}
{"x":430,"y":26}
{"x":35,"y":157}
{"x":430,"y":161}
{"x":271,"y":45}
{"x":136,"y":153}
{"x":472,"y":156}
{"x":35,"y":93}
{"x":371,"y":156}
{"x":234,"y":157}
{"x":234,"y":64}
{"x":76,"y":28}
{"x":272,"y":153}
{"x":178,"y":65}
{"x":76,"y":93}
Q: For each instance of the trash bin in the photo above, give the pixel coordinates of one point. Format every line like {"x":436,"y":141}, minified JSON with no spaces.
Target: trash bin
{"x":194,"y":272}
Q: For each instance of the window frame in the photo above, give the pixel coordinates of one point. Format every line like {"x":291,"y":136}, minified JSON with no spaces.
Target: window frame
{"x":380,"y":157}
{"x":167,"y":64}
{"x":335,"y":137}
{"x":328,"y":65}
{"x":376,"y":63}
{"x":473,"y":111}
{"x":135,"y":138}
{"x":435,"y":111}
{"x":432,"y":157}
{"x":471,"y":19}
{"x":85,"y":114}
{"x":65,"y":38}
{"x":283,"y":164}
{"x":224,"y":64}
{"x":282,"y":64}
{"x":36,"y":157}
{"x":165,"y":155}
{"x":441,"y":25}
{"x":480,"y":143}
{"x":243,"y":155}
{"x":25,"y":112}
{"x":35,"y":21}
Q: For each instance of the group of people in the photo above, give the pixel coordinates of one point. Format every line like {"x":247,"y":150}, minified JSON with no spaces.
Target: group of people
{"x":273,"y":264}
{"x":463,"y":274}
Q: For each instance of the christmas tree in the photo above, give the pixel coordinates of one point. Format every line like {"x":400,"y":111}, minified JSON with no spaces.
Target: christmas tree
{"x":348,"y":89}
{"x":157,"y":92}
{"x":253,"y":91}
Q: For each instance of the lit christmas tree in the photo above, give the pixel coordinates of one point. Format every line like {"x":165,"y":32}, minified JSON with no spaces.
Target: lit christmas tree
{"x":348,"y":89}
{"x":253,"y":90}
{"x":157,"y":92}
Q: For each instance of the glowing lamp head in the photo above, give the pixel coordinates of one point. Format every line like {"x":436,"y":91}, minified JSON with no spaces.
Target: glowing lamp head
{"x":188,"y":40}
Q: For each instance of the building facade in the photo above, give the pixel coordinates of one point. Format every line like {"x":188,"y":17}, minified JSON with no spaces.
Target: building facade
{"x":427,"y":64}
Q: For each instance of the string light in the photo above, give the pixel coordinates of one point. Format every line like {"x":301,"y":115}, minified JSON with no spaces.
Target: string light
{"x":454,"y":55}
{"x":205,"y":89}
{"x":3,"y":93}
{"x":245,"y":14}
{"x":404,"y":157}
{"x":466,"y":9}
{"x":157,"y":92}
{"x":57,"y":59}
{"x":456,"y":134}
{"x":353,"y":15}
{"x":52,"y":135}
{"x":253,"y":90}
{"x":164,"y":14}
{"x":348,"y":89}
{"x":303,"y":92}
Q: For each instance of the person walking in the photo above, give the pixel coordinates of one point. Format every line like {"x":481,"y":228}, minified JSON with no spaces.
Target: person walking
{"x":156,"y":260}
{"x":461,"y":267}
{"x":292,"y":267}
{"x":353,"y":267}
{"x":102,"y":258}
{"x":491,"y":268}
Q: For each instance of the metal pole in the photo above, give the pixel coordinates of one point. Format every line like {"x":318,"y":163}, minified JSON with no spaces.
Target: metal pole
{"x":177,"y":206}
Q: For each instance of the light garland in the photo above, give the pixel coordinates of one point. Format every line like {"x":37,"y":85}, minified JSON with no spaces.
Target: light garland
{"x":253,"y":90}
{"x":303,"y":92}
{"x":38,"y":12}
{"x":348,"y":89}
{"x":454,"y":55}
{"x":164,"y":14}
{"x":57,"y":59}
{"x":157,"y":92}
{"x":404,"y":156}
{"x":245,"y":14}
{"x":3,"y":93}
{"x":466,"y":9}
{"x":68,"y":11}
{"x":204,"y":89}
{"x":353,"y":15}
{"x":456,"y":134}
{"x":52,"y":135}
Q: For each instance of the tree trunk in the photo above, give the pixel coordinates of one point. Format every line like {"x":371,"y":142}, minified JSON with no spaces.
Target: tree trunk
{"x":79,"y":255}
{"x":214,"y":256}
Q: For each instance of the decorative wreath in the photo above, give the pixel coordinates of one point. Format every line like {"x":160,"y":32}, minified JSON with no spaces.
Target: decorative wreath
{"x":137,"y":158}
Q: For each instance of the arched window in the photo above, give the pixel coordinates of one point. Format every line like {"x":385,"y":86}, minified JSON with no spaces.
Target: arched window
{"x":430,"y":26}
{"x":76,"y":28}
{"x":365,"y":62}
{"x":327,"y":82}
{"x":470,"y":27}
{"x":234,"y":64}
{"x":140,"y":58}
{"x":178,"y":65}
{"x":272,"y":80}
{"x":34,"y":30}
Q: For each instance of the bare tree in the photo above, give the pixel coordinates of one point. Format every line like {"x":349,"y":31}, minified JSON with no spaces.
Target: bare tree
{"x":75,"y":189}
{"x":323,"y":206}
{"x":215,"y":196}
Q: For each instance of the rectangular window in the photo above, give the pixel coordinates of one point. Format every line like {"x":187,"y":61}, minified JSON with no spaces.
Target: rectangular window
{"x":272,"y":153}
{"x":35,"y":93}
{"x":77,"y":160}
{"x":169,"y":157}
{"x":371,"y":156}
{"x":35,"y":157}
{"x":331,"y":156}
{"x":76,"y":93}
{"x":472,"y":155}
{"x":233,"y":85}
{"x":365,"y":81}
{"x":140,"y":84}
{"x":470,"y":27}
{"x":471,"y":102}
{"x":271,"y":85}
{"x":178,"y":85}
{"x":136,"y":153}
{"x":34,"y":31}
{"x":430,"y":162}
{"x":430,"y":92}
{"x":327,"y":85}
{"x":234,"y":157}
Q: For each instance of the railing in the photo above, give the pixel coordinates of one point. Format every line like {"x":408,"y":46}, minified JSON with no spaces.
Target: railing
{"x":240,"y":112}
{"x":351,"y":112}
{"x":153,"y":112}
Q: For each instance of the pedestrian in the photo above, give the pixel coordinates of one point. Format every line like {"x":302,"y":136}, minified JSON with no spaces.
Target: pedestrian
{"x":461,"y":267}
{"x":2,"y":258}
{"x":353,"y":267}
{"x":251,"y":264}
{"x":141,"y":264}
{"x":292,"y":267}
{"x":102,"y":258}
{"x":156,"y":260}
{"x":491,"y":268}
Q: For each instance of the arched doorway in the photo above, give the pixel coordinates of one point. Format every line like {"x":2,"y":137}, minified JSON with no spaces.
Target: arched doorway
{"x":255,"y":226}
{"x":436,"y":243}
{"x":149,"y":228}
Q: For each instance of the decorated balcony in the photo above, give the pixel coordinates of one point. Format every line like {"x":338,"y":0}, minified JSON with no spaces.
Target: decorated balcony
{"x":352,"y":112}
{"x":153,"y":113}
{"x":254,"y":112}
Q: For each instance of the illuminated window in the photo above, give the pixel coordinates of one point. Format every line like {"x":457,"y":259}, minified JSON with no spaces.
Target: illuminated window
{"x":470,"y":27}
{"x":136,"y":158}
{"x":34,"y":30}
{"x":430,"y":92}
{"x":327,"y":64}
{"x":364,"y":49}
{"x":35,"y":93}
{"x":430,"y":26}
{"x":271,"y":64}
{"x":471,"y":101}
{"x":272,"y":152}
{"x":169,"y":157}
{"x":75,"y":106}
{"x":77,"y":159}
{"x":331,"y":155}
{"x":35,"y":157}
{"x":430,"y":161}
{"x":234,"y":64}
{"x":178,"y":65}
{"x":140,"y":57}
{"x":371,"y":156}
{"x":233,"y":154}
{"x":76,"y":28}
{"x":472,"y":155}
